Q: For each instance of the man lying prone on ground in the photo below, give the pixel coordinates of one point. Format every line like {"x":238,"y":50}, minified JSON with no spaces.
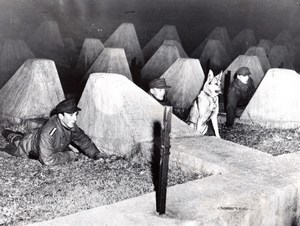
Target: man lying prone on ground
{"x":50,"y":143}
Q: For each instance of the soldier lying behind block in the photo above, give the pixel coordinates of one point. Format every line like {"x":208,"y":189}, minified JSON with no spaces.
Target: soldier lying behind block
{"x":50,"y":143}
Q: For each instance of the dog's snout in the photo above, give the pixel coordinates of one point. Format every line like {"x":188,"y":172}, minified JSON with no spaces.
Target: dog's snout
{"x":218,"y":91}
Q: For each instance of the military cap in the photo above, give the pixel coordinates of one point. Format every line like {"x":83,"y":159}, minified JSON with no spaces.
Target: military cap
{"x":68,"y":106}
{"x":243,"y":71}
{"x":159,"y":83}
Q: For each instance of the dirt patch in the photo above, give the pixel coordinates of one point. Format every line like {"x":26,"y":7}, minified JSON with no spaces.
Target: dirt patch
{"x":31,"y":192}
{"x":272,"y":141}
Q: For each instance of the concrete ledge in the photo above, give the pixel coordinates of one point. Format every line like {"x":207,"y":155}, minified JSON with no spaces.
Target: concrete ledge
{"x":215,"y":200}
{"x":250,"y":188}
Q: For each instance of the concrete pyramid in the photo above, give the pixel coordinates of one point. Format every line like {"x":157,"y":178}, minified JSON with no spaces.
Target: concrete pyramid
{"x":69,"y":44}
{"x":166,"y":32}
{"x":63,"y":6}
{"x":47,"y":39}
{"x":262,"y":56}
{"x":11,"y":24}
{"x":296,"y":42}
{"x":214,"y":56}
{"x":243,"y":40}
{"x":252,"y":62}
{"x":266,"y":44}
{"x":83,"y":9}
{"x":283,"y":38}
{"x":71,"y":52}
{"x":171,"y":42}
{"x":186,"y":78}
{"x":46,"y":42}
{"x":32,"y":92}
{"x":279,"y":57}
{"x":221,"y":34}
{"x":296,"y":46}
{"x":89,"y":52}
{"x":14,"y":53}
{"x":125,"y":37}
{"x":162,"y":59}
{"x":119,"y":116}
{"x":110,"y":60}
{"x":276,"y":101}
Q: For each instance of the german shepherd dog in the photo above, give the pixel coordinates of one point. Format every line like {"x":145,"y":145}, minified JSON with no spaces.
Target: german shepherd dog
{"x":206,"y":105}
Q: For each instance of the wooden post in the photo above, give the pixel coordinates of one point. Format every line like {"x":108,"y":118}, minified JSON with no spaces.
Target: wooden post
{"x":226,"y":88}
{"x":164,"y":161}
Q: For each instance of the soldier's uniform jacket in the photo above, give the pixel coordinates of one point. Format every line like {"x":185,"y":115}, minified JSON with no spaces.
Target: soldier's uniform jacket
{"x":239,"y":94}
{"x":50,"y":143}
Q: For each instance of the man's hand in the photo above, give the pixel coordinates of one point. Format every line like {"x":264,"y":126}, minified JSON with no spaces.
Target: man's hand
{"x":106,"y":158}
{"x":76,"y":154}
{"x":100,"y":155}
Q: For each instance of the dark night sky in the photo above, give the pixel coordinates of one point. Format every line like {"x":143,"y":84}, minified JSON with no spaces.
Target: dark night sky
{"x":194,"y":19}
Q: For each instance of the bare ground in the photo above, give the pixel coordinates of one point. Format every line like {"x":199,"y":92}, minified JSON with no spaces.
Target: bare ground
{"x":31,"y":192}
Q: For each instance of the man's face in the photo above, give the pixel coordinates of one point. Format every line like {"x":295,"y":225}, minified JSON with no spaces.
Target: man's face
{"x":158,"y":93}
{"x":243,"y":78}
{"x":68,"y":119}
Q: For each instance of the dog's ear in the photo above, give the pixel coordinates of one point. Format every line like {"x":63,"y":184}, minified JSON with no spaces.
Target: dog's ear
{"x":210,"y":75}
{"x":219,"y":76}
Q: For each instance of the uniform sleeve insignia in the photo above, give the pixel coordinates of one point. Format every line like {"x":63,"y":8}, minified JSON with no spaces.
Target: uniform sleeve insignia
{"x":52,"y":131}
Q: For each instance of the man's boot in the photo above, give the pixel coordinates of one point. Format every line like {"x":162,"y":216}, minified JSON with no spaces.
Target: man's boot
{"x":11,"y":149}
{"x":12,"y":136}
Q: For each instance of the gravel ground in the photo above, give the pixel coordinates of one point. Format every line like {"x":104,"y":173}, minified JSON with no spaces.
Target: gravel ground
{"x":31,"y":192}
{"x":272,"y":141}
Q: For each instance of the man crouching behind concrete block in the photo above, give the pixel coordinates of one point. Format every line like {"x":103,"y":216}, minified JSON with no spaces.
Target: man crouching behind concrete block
{"x":50,"y":143}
